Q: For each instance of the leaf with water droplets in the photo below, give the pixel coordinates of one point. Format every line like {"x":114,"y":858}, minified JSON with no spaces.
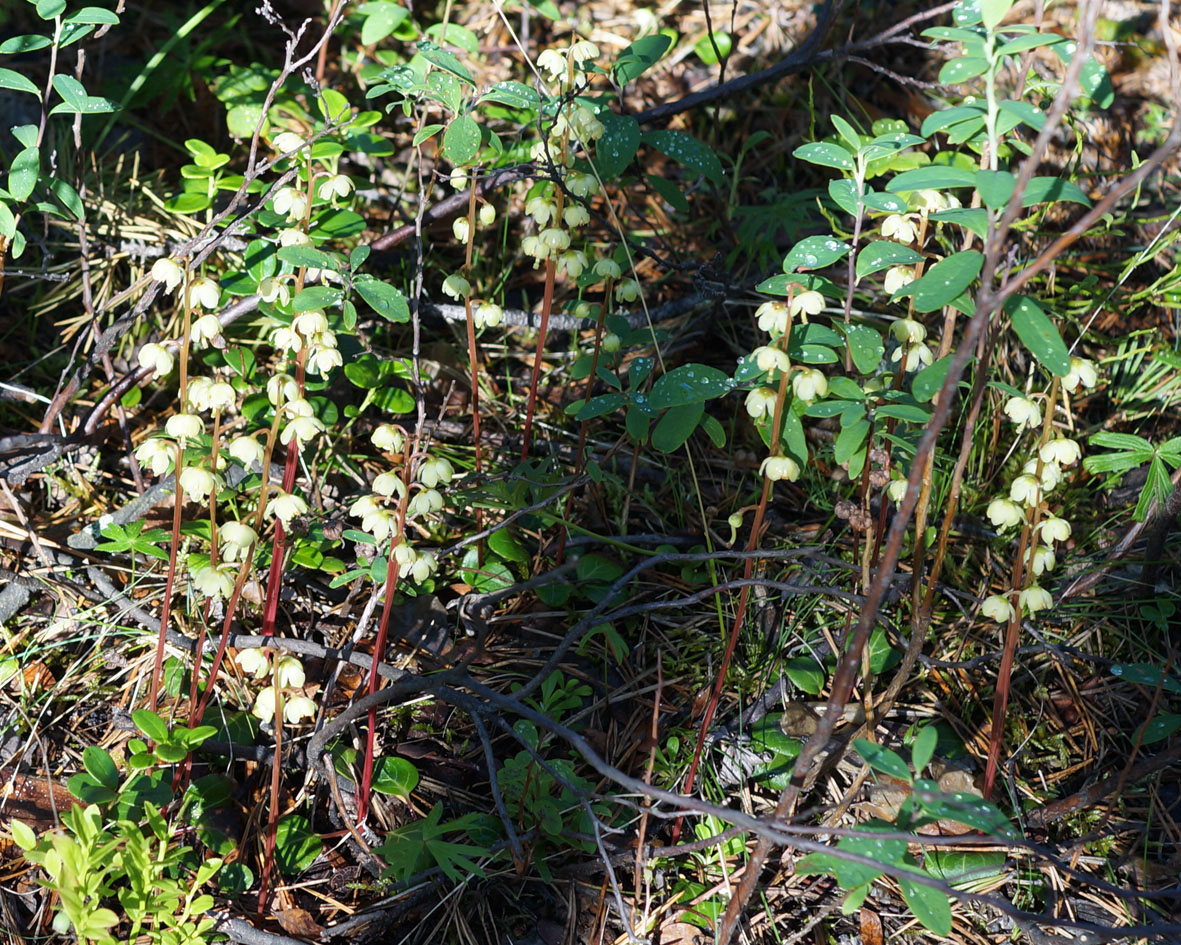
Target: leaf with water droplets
{"x":688,"y":151}
{"x":616,"y":148}
{"x":688,"y":384}
{"x":814,"y":252}
{"x":384,"y":299}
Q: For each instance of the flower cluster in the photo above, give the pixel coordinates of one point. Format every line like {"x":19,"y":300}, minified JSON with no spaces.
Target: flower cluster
{"x":286,"y":684}
{"x":1026,"y":501}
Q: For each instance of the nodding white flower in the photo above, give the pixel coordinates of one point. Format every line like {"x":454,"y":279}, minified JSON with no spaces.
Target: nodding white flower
{"x":575,"y":216}
{"x":197,"y":393}
{"x":809,"y":383}
{"x":324,"y":359}
{"x":456,"y":286}
{"x":487,"y":214}
{"x":586,"y":125}
{"x":339,"y":185}
{"x":1082,"y":373}
{"x":1025,"y":488}
{"x":204,"y":292}
{"x":292,"y":202}
{"x":156,"y":358}
{"x":917,"y":355}
{"x":300,"y":429}
{"x":1054,"y":529}
{"x":286,"y":338}
{"x":908,"y":332}
{"x":425,"y":564}
{"x":461,"y":229}
{"x":487,"y":315}
{"x":773,"y":317}
{"x":554,"y":239}
{"x":1051,"y":474}
{"x":760,"y":402}
{"x":298,"y":708}
{"x":582,"y":185}
{"x":771,"y":359}
{"x":896,"y":490}
{"x":574,"y":261}
{"x":246,"y":450}
{"x":388,"y":484}
{"x":281,"y":388}
{"x":776,"y":468}
{"x":611,"y":342}
{"x":896,"y":278}
{"x":274,"y":288}
{"x":364,"y":505}
{"x":1035,"y":598}
{"x":458,"y":179}
{"x":532,"y":247}
{"x":289,"y":672}
{"x":583,"y":50}
{"x":379,"y":522}
{"x":928,"y":201}
{"x":167,"y":271}
{"x":1023,"y":412}
{"x":311,"y":322}
{"x":628,"y":290}
{"x":184,"y":426}
{"x":435,"y":470}
{"x":235,"y":539}
{"x":221,"y":395}
{"x":553,"y":62}
{"x":157,"y":454}
{"x":998,"y":608}
{"x":1061,"y":450}
{"x":255,"y":662}
{"x":197,"y":483}
{"x":287,"y":141}
{"x":425,"y":502}
{"x":205,"y":329}
{"x":264,"y":704}
{"x":285,"y":506}
{"x":541,"y":209}
{"x":1041,"y":560}
{"x":608,"y":269}
{"x":216,"y":581}
{"x":808,"y":302}
{"x":899,"y":226}
{"x":294,"y":237}
{"x":1005,"y":513}
{"x":389,"y":438}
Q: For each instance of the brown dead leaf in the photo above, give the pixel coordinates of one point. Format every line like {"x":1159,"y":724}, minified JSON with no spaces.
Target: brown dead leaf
{"x":871,"y":927}
{"x":297,"y":921}
{"x":680,"y":933}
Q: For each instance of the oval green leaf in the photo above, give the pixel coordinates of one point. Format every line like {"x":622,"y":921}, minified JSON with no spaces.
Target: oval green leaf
{"x":1038,"y":334}
{"x":945,"y":280}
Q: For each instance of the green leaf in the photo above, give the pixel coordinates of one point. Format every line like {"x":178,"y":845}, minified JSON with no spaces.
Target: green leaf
{"x":934,"y":177}
{"x":296,"y":845}
{"x":806,"y":674}
{"x":882,"y":254}
{"x":669,"y":190}
{"x":461,"y":140}
{"x":995,"y":187}
{"x":30,"y":42}
{"x":599,"y":406}
{"x":22,"y":177}
{"x":1122,"y":441}
{"x":688,"y":151}
{"x":929,"y":905}
{"x":814,"y":252}
{"x":850,"y":440}
{"x":445,"y":60}
{"x":100,"y":766}
{"x":882,"y":759}
{"x":973,"y":219}
{"x":1160,"y":727}
{"x":639,"y":57}
{"x":1038,"y":334}
{"x":503,"y":543}
{"x":1043,"y":189}
{"x":150,"y":724}
{"x":17,"y":82}
{"x":865,"y":347}
{"x":946,"y":280}
{"x":94,"y":15}
{"x":825,"y":154}
{"x":49,"y":9}
{"x":618,"y":145}
{"x":384,"y":299}
{"x":316,"y":297}
{"x":964,"y":808}
{"x":22,"y":835}
{"x":923,"y":748}
{"x":993,"y":11}
{"x":1145,"y":674}
{"x":688,"y":384}
{"x":1029,"y":41}
{"x":395,"y":776}
{"x":513,"y":94}
{"x":962,"y":69}
{"x":381,"y":19}
{"x":844,"y":194}
{"x":676,"y":426}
